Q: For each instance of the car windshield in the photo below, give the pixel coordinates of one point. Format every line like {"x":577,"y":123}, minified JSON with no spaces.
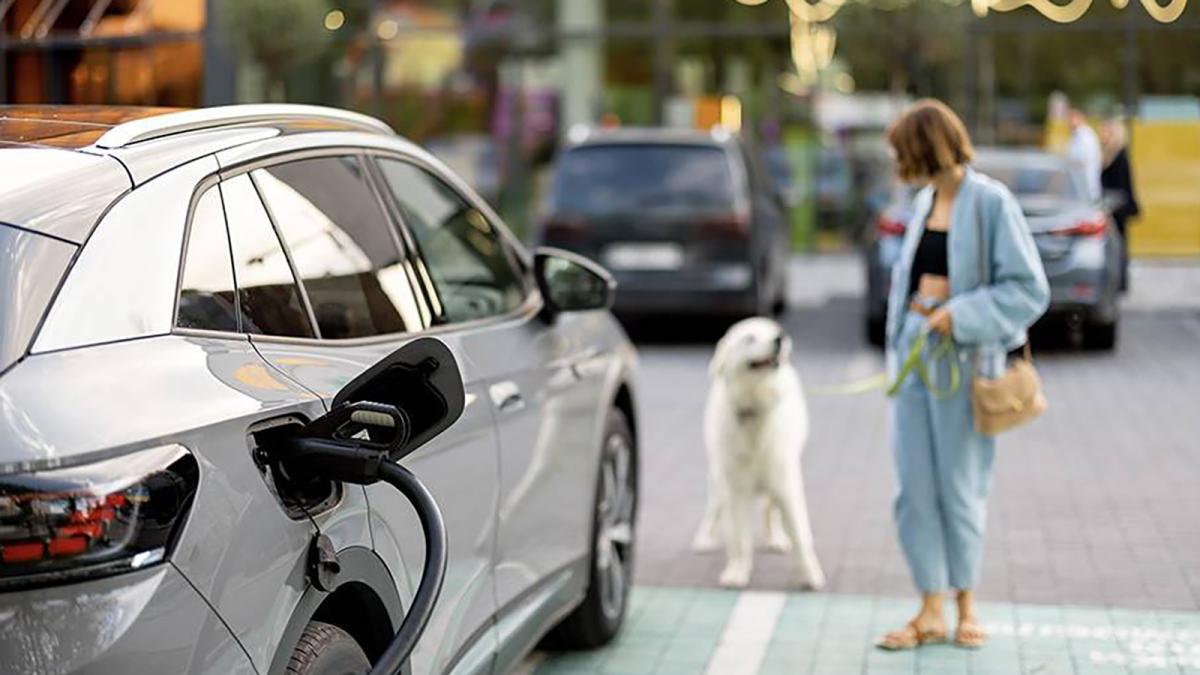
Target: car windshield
{"x":1033,"y":176}
{"x":628,"y":177}
{"x":31,"y":266}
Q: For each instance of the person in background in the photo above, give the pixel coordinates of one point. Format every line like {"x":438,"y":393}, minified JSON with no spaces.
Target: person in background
{"x":1084,"y":149}
{"x":1117,"y":178}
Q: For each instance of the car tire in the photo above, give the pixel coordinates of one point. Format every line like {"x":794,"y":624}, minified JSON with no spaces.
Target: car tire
{"x":1101,"y":337}
{"x":875,"y":329}
{"x":325,"y":649}
{"x":597,"y":620}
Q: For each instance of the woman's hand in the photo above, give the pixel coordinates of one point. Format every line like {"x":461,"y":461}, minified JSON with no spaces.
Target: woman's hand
{"x":941,"y":322}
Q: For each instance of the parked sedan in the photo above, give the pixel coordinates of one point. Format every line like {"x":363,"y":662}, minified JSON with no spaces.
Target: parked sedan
{"x":1078,"y":243}
{"x":686,"y":221}
{"x":180,"y":293}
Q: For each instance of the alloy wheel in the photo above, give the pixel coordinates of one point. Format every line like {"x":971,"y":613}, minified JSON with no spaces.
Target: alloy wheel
{"x":614,"y":532}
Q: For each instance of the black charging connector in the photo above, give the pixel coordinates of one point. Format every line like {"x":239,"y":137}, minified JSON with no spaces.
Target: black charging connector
{"x":354,"y":443}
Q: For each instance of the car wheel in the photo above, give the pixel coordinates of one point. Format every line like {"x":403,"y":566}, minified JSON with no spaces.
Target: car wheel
{"x":1101,"y":336}
{"x":325,"y":649}
{"x":599,"y":617}
{"x":875,"y":329}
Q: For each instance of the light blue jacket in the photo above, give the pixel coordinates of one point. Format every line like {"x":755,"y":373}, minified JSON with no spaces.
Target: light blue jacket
{"x":987,"y":317}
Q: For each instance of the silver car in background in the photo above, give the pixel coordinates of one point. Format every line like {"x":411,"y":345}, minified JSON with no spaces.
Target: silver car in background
{"x":1079,"y":244}
{"x":178,"y":290}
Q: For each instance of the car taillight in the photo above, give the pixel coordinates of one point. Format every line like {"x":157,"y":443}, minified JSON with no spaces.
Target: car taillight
{"x":1092,"y":227}
{"x":97,"y":519}
{"x":564,"y":229}
{"x":732,"y":226}
{"x":889,"y":227}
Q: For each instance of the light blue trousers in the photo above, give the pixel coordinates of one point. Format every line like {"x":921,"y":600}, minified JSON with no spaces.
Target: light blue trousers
{"x":945,"y":471}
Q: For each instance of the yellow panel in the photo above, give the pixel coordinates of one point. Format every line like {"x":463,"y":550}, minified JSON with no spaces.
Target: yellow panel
{"x":1166,"y":170}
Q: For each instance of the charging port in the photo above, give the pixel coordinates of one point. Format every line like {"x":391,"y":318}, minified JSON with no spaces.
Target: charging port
{"x":300,"y":497}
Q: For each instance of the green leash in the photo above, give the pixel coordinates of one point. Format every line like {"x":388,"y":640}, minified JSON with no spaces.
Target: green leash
{"x":912,"y":363}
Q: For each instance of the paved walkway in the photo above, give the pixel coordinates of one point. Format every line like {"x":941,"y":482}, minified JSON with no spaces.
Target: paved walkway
{"x":677,"y":631}
{"x":1094,"y":522}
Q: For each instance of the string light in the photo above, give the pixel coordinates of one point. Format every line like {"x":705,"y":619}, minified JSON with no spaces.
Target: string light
{"x":1173,"y":10}
{"x":814,"y":12}
{"x":1072,"y":10}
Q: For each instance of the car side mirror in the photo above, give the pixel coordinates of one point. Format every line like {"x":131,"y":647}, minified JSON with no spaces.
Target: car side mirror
{"x":571,"y":283}
{"x":398,"y":404}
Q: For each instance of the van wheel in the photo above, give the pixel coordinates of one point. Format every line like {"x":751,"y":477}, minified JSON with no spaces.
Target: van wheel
{"x":325,"y":649}
{"x":599,"y":617}
{"x":1101,"y":336}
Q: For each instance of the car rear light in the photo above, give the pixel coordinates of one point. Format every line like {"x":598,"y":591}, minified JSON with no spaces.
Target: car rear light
{"x":732,"y":226}
{"x":889,"y":227}
{"x":1093,"y":227}
{"x":97,"y":519}
{"x":564,"y":229}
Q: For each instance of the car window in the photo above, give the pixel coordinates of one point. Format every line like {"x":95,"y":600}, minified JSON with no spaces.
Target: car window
{"x":206,"y":294}
{"x":1027,"y":176}
{"x":475,"y":272}
{"x":625,"y":177}
{"x":342,"y":247}
{"x":268,"y":296}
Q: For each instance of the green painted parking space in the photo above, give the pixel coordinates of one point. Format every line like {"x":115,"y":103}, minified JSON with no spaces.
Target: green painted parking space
{"x":673,"y":631}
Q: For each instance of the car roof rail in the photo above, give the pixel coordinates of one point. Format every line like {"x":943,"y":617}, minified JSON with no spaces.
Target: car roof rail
{"x":169,"y":124}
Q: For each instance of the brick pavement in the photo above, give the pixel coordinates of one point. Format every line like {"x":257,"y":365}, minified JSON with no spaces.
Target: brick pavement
{"x":1095,"y":504}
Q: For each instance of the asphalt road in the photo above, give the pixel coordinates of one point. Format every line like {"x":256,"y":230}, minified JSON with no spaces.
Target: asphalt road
{"x":1094,"y":504}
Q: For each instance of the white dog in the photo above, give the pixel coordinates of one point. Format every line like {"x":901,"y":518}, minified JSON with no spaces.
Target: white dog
{"x":755,"y":428}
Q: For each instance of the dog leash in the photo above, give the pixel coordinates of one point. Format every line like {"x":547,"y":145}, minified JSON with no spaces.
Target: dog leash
{"x":913,"y":363}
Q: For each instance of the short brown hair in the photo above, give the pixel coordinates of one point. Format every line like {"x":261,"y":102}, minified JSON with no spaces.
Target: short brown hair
{"x":928,"y":139}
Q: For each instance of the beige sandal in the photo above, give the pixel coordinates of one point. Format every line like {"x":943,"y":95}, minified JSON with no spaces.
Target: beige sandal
{"x":911,"y":637}
{"x":970,"y":635}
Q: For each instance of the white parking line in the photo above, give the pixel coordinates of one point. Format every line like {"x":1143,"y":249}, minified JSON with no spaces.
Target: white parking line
{"x":748,"y":630}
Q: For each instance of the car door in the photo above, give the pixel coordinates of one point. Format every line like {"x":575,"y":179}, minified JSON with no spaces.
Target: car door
{"x":542,"y":394}
{"x":357,"y":287}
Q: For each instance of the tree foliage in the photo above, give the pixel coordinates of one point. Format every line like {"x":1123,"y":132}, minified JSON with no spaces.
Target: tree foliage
{"x":277,"y":35}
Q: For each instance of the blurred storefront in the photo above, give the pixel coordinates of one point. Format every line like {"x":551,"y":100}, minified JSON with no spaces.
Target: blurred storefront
{"x":494,"y":86}
{"x":101,"y":51}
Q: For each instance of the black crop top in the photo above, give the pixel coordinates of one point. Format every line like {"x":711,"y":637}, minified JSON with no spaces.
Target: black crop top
{"x":930,"y":258}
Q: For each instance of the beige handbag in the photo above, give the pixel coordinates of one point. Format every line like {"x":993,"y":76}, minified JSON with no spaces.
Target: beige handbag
{"x":1014,"y":398}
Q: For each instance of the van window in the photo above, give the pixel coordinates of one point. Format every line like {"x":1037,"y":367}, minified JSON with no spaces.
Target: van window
{"x":633,"y":177}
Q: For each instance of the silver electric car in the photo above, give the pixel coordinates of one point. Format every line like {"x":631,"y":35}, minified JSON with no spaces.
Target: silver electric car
{"x":182,"y":293}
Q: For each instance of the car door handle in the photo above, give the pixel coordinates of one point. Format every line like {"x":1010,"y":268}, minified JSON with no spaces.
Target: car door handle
{"x":506,"y":396}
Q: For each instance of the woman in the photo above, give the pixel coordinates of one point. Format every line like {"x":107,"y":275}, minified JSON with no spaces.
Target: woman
{"x":944,"y":466}
{"x":1117,"y":178}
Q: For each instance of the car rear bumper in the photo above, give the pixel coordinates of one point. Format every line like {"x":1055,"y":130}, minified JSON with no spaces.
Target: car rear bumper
{"x":1085,"y":280}
{"x":727,"y":289}
{"x":150,"y":621}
